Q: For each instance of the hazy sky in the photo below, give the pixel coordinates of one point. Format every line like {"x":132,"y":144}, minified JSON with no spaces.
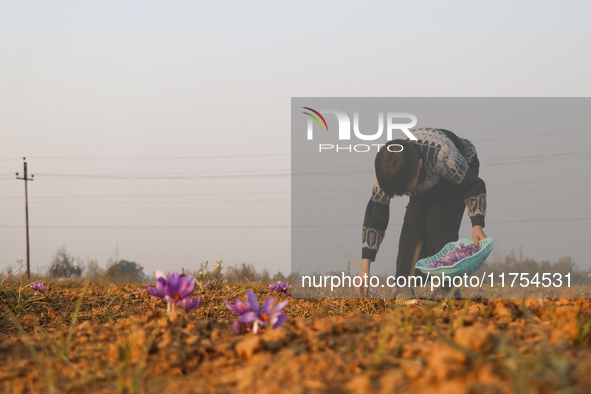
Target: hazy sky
{"x":164,"y":128}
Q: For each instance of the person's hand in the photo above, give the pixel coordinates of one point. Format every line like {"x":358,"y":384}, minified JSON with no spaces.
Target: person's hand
{"x":362,"y":290}
{"x":478,"y":235}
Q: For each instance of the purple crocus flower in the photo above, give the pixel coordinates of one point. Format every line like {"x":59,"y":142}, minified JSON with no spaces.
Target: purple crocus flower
{"x":210,"y":284}
{"x":187,"y":304}
{"x":281,"y":287}
{"x":39,"y":287}
{"x":173,"y":289}
{"x":269,"y":314}
{"x":241,"y":308}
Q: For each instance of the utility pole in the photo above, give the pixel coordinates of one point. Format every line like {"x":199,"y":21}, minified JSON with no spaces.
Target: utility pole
{"x":24,"y":178}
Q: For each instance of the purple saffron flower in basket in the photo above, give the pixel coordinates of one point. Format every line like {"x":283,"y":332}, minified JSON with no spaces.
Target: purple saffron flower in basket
{"x":173,"y":289}
{"x":454,"y":255}
{"x":38,"y":287}
{"x":281,"y":287}
{"x":269,"y":314}
{"x":187,"y":304}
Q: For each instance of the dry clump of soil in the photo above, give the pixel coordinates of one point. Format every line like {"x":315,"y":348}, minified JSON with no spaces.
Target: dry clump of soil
{"x":124,"y":342}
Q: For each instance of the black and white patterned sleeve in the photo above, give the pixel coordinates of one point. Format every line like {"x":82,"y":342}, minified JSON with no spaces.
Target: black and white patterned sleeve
{"x":377,"y":215}
{"x":465,"y":175}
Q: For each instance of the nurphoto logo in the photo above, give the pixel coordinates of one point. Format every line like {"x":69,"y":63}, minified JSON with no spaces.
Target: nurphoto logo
{"x":344,"y":129}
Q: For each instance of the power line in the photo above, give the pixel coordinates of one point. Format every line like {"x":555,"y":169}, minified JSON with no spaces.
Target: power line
{"x":536,"y":158}
{"x":308,"y":191}
{"x":493,"y":162}
{"x":159,"y":158}
{"x":159,"y":202}
{"x":533,"y":135}
{"x":541,"y":181}
{"x":253,"y":201}
{"x":541,"y":191}
{"x":253,"y":173}
{"x":268,"y":226}
{"x":160,"y":195}
{"x":157,"y":177}
{"x":43,"y":176}
{"x":153,"y":227}
{"x":264,"y":155}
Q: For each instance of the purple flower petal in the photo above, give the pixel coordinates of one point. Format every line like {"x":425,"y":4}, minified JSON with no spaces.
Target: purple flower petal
{"x":38,"y":287}
{"x":280,"y":319}
{"x":237,"y":327}
{"x":160,"y":274}
{"x":155,"y":292}
{"x":280,"y":287}
{"x":169,"y":299}
{"x":232,"y":307}
{"x":281,"y":305}
{"x":161,"y":285}
{"x":241,"y":307}
{"x":268,"y":306}
{"x":197,"y":301}
{"x":184,"y":304}
{"x":251,"y":301}
{"x":248,"y":317}
{"x":238,"y":308}
{"x":183,"y":284}
{"x":187,"y":304}
{"x":189,"y":288}
{"x":175,"y":284}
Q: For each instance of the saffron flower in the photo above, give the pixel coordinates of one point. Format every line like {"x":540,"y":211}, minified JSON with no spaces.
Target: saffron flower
{"x":173,"y":289}
{"x":373,"y":293}
{"x":269,"y":314}
{"x":39,"y":287}
{"x":281,"y":287}
{"x":187,"y":304}
{"x":241,"y":308}
{"x":455,"y":255}
{"x":210,"y":284}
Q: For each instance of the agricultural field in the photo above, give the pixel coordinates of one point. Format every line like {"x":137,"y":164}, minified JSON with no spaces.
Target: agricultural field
{"x":109,"y":338}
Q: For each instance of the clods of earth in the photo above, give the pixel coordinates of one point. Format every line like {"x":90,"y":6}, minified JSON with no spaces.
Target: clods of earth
{"x":122,"y":341}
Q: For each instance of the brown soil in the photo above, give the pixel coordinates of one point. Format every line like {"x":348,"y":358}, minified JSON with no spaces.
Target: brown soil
{"x":124,"y":342}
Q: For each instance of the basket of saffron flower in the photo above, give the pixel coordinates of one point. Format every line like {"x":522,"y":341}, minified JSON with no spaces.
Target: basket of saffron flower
{"x":457,"y":258}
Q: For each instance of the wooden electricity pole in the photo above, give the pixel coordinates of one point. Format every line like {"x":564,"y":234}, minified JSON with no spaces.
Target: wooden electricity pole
{"x":27,"y":215}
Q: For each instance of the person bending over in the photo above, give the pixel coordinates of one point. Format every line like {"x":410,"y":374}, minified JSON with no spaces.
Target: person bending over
{"x":439,"y":171}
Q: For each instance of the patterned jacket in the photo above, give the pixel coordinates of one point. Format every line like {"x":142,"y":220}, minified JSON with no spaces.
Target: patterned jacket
{"x":444,"y":156}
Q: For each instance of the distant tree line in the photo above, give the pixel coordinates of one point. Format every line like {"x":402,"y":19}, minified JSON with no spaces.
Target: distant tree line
{"x":64,"y":265}
{"x":243,"y":272}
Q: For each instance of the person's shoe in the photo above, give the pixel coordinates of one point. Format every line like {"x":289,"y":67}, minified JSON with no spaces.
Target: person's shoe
{"x":445,"y":292}
{"x":407,"y":297}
